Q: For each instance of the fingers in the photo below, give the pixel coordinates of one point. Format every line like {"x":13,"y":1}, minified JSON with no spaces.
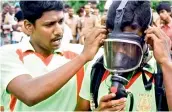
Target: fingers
{"x":97,"y":32}
{"x":156,"y":35}
{"x":118,"y":107}
{"x":116,"y":103}
{"x":95,"y":36}
{"x":106,"y":103}
{"x":93,"y":33}
{"x":100,"y":39}
{"x":157,"y":31}
{"x":107,"y":97}
{"x":150,"y":38}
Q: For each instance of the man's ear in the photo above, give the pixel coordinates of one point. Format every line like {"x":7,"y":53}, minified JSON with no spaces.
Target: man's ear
{"x":29,"y":27}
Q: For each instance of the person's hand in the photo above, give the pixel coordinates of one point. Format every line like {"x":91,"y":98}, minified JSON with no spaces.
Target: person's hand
{"x":107,"y":104}
{"x":160,"y":43}
{"x":93,"y":40}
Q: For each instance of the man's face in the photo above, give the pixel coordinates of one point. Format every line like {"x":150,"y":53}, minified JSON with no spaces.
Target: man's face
{"x":96,"y":12}
{"x":71,"y":11}
{"x":6,"y":9}
{"x":48,"y":30}
{"x":163,"y":15}
{"x":87,"y":9}
{"x":124,"y":48}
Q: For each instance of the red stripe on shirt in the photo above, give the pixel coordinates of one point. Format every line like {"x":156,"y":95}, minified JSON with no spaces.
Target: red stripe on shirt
{"x":46,"y":60}
{"x":12,"y":103}
{"x":105,"y":75}
{"x":133,"y":79}
{"x":20,"y":54}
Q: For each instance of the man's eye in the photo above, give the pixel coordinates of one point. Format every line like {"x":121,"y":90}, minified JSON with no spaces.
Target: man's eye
{"x":50,"y":24}
{"x":61,"y":21}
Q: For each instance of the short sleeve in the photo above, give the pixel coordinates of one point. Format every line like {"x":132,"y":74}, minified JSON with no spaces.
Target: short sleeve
{"x":10,"y":66}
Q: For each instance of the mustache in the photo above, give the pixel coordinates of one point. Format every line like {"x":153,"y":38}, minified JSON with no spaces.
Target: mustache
{"x":57,"y":38}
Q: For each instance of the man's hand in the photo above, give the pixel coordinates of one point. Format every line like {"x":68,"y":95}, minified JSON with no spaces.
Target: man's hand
{"x":160,"y":43}
{"x":107,"y":104}
{"x":93,"y":40}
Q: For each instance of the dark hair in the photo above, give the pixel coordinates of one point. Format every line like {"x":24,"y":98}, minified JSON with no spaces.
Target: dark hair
{"x":19,"y":16}
{"x":70,"y":7}
{"x":5,"y":4}
{"x":137,"y":14}
{"x":66,"y":6}
{"x":81,"y":10}
{"x":163,"y":6}
{"x":33,"y":10}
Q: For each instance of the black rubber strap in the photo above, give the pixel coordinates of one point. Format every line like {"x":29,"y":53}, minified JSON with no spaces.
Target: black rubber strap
{"x":147,"y":83}
{"x":131,"y":101}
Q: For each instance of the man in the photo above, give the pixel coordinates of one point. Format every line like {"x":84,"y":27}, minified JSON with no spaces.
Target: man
{"x":72,"y":21}
{"x":88,"y":21}
{"x":37,"y":76}
{"x":136,"y":19}
{"x":164,"y":11}
{"x":98,"y":16}
{"x":80,"y":12}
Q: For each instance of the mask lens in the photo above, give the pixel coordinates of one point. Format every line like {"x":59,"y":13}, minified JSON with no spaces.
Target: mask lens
{"x":121,"y":56}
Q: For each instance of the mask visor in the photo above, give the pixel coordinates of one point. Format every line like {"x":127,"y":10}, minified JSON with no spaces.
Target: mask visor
{"x":122,"y":55}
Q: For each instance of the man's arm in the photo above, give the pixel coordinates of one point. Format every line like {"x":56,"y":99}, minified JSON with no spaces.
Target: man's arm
{"x":167,"y":78}
{"x":161,"y":45}
{"x":79,"y":26}
{"x":34,"y":90}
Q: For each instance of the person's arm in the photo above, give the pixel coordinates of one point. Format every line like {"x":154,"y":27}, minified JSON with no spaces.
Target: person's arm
{"x":79,"y":26}
{"x":167,"y":78}
{"x":34,"y":90}
{"x":161,"y":45}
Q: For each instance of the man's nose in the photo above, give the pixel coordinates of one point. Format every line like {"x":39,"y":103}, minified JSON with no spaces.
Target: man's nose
{"x":58,"y":29}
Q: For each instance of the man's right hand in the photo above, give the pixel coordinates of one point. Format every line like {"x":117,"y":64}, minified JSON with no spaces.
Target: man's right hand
{"x":107,"y":104}
{"x":93,"y":41}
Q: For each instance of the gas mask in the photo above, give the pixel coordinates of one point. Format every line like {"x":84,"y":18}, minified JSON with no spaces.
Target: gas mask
{"x":123,"y":53}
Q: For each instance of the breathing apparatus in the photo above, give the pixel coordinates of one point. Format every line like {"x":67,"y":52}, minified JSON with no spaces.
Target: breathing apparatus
{"x":123,"y":53}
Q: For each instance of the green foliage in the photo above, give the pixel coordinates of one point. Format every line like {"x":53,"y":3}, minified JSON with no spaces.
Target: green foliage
{"x":76,"y":4}
{"x":100,"y":6}
{"x":154,"y":3}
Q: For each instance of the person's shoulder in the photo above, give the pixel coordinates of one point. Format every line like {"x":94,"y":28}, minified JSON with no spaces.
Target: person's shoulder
{"x":10,"y":48}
